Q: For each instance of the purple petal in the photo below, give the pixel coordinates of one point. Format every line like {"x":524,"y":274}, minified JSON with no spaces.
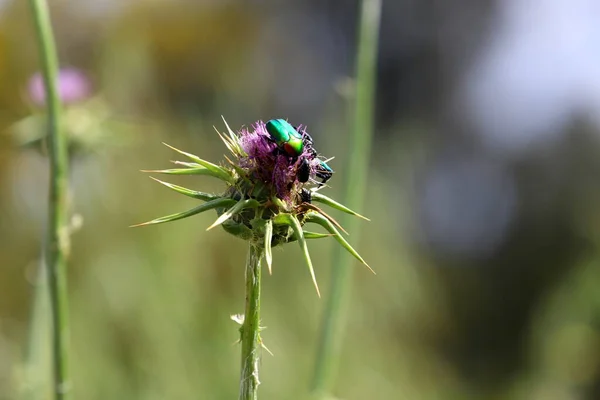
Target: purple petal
{"x":277,"y":170}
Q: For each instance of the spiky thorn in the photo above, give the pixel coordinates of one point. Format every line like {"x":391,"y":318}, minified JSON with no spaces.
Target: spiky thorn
{"x":316,"y":218}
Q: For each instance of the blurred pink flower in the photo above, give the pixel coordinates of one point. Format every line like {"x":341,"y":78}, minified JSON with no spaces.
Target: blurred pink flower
{"x":73,"y":86}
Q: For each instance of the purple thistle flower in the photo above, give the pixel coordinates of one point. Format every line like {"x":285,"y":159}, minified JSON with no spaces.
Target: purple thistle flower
{"x":73,"y":86}
{"x":267,"y":166}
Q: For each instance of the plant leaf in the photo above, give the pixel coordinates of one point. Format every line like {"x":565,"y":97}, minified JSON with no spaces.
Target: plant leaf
{"x":232,"y":144}
{"x":317,"y":218}
{"x":239,"y":230}
{"x":188,"y":192}
{"x":226,"y":140}
{"x":316,"y":235}
{"x":309,"y":235}
{"x":268,"y":250}
{"x":292,"y":221}
{"x":240,"y":171}
{"x":316,"y":196}
{"x":239,"y":206}
{"x":186,"y":164}
{"x":280,"y":204}
{"x":184,"y":171}
{"x":323,"y":213}
{"x":232,"y":135}
{"x":220,"y":172}
{"x":220,"y":202}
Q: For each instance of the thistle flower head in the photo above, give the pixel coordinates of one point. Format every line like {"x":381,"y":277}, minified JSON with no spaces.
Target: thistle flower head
{"x":271,"y":191}
{"x":89,"y":121}
{"x":73,"y":86}
{"x":267,"y":165}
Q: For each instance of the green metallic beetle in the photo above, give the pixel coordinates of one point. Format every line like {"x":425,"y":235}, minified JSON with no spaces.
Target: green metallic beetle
{"x":290,"y":142}
{"x":287,"y":138}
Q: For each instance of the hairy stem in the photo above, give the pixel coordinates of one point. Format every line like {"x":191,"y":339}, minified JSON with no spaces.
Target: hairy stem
{"x":58,"y":236}
{"x":250,"y":331}
{"x":334,"y":319}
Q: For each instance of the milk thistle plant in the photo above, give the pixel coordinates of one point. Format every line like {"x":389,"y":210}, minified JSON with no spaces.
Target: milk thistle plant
{"x":272,"y":178}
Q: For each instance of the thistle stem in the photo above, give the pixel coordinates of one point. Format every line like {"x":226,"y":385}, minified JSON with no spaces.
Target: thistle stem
{"x":250,"y":331}
{"x":334,"y":318}
{"x":58,"y":236}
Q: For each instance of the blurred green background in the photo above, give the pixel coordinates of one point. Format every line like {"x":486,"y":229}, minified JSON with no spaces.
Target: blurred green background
{"x":483,"y":195}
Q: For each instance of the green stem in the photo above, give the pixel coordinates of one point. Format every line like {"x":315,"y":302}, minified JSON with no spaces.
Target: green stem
{"x":250,"y":331}
{"x":334,"y":319}
{"x":37,"y":348}
{"x":58,"y":230}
